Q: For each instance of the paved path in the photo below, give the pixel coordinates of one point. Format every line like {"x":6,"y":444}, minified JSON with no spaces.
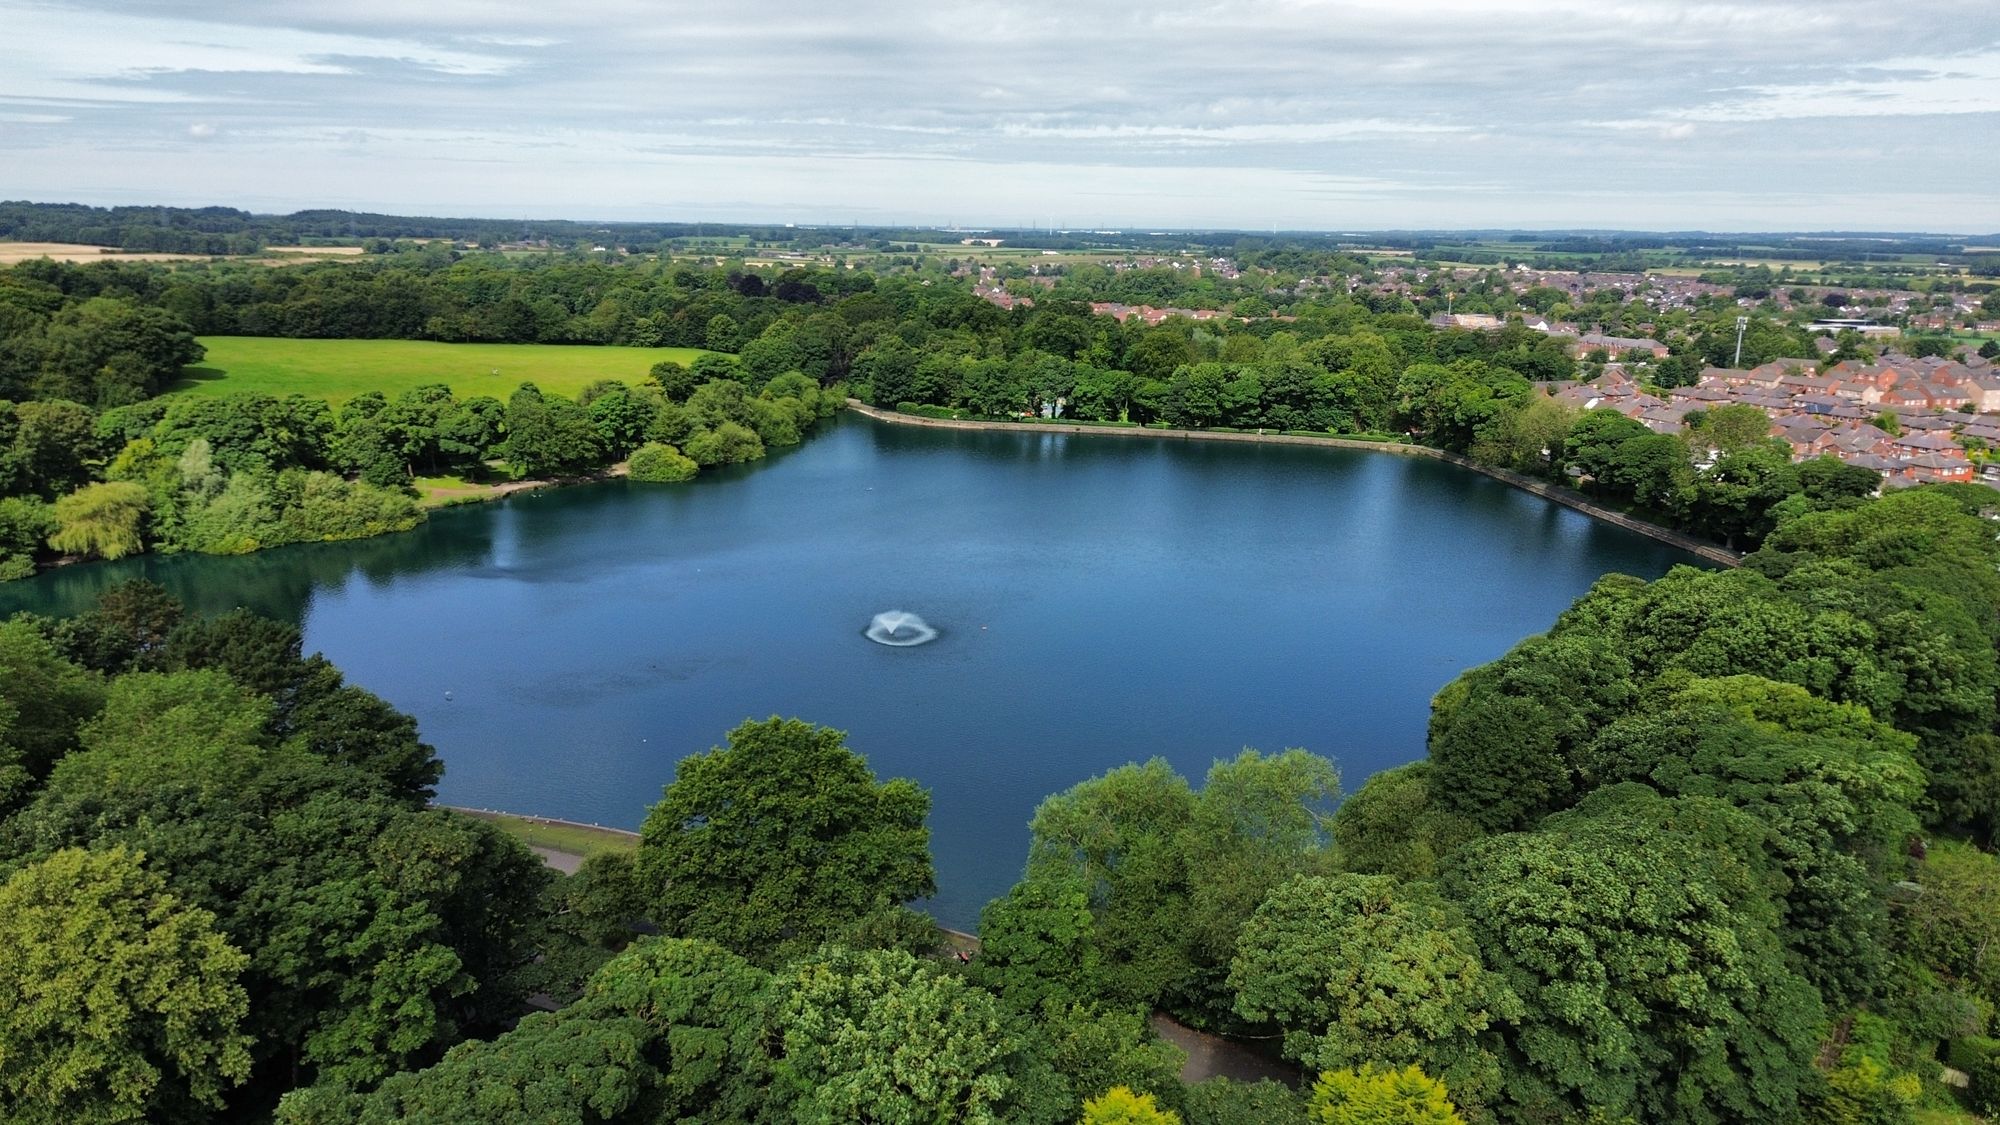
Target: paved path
{"x":1212,"y":1056}
{"x":565,"y":862}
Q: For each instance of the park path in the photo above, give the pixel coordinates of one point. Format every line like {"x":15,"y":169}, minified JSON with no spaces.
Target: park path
{"x":1208,"y":1055}
{"x":565,"y":862}
{"x":1212,"y":1056}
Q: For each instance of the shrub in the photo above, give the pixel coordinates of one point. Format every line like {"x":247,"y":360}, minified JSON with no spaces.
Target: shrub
{"x":1979,"y":1058}
{"x":726,"y":444}
{"x":658,"y":462}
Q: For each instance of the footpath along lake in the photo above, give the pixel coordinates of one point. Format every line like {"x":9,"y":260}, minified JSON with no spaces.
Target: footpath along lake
{"x":1098,"y":601}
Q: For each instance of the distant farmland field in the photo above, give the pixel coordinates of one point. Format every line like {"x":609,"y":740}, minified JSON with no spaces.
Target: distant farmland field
{"x":337,"y":370}
{"x":12,"y":252}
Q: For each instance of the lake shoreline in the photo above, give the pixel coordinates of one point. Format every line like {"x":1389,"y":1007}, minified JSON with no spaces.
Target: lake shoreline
{"x":1567,"y":497}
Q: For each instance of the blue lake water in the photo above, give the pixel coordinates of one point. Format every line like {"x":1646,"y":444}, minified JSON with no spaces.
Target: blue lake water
{"x":1100,"y":600}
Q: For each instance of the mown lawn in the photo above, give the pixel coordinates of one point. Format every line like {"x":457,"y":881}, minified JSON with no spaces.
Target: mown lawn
{"x":337,"y":370}
{"x":572,"y":838}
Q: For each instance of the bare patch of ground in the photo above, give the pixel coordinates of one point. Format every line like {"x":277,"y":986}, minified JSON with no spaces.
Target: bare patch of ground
{"x":13,"y":252}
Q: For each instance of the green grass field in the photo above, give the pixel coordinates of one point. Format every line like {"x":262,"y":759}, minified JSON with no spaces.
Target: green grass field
{"x":337,"y":370}
{"x":575,"y":839}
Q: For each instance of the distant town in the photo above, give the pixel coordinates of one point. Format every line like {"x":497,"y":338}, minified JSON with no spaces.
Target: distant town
{"x":1913,"y":419}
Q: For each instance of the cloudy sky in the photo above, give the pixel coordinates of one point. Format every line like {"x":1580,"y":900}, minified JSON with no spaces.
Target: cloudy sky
{"x":1320,"y":114}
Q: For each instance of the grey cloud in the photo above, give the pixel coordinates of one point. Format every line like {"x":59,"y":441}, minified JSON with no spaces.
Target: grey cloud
{"x":1456,"y":112}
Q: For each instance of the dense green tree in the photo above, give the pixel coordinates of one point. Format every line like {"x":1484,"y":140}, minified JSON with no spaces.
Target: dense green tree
{"x":722,"y":333}
{"x":1356,"y":969}
{"x":26,"y":523}
{"x":771,"y":354}
{"x":44,"y":702}
{"x":1830,"y":788}
{"x":729,"y":443}
{"x":619,"y":414}
{"x":1170,"y":875}
{"x":1593,"y":444}
{"x":46,"y":448}
{"x":1121,"y":837}
{"x":1392,"y":826}
{"x":1953,"y":926}
{"x":1258,"y":820}
{"x":1503,"y":738}
{"x":889,"y":370}
{"x":128,"y":628}
{"x":714,"y":1021}
{"x":469,"y":432}
{"x":550,"y":1070}
{"x":1529,"y":437}
{"x":255,"y":431}
{"x":1732,"y":426}
{"x":584,"y":920}
{"x":777,"y":840}
{"x":199,"y":727}
{"x":1650,"y":979}
{"x":549,"y":435}
{"x":376,"y":933}
{"x":1225,"y":1101}
{"x":881,"y":1036}
{"x":1093,"y":1049}
{"x":123,"y":1001}
{"x":109,"y":351}
{"x":1036,"y":945}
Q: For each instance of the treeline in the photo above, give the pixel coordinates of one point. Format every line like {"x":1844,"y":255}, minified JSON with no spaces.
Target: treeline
{"x":172,"y":230}
{"x":108,"y":334}
{"x":238,"y":473}
{"x":434,"y":294}
{"x":1470,"y":393}
{"x":226,"y":230}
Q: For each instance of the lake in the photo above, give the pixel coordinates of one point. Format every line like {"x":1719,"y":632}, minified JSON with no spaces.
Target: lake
{"x":1100,"y":600}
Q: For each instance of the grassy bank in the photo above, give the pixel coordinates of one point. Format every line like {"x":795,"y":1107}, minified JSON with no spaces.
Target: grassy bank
{"x":337,"y":370}
{"x":559,"y":835}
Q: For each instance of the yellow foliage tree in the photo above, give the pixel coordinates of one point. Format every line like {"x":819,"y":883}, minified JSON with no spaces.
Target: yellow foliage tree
{"x":101,"y":519}
{"x":1381,"y":1096}
{"x":1120,"y":1106}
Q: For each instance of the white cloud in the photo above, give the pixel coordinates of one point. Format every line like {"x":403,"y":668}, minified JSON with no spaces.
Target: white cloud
{"x":1892,"y":88}
{"x":1246,"y":133}
{"x":113,"y":56}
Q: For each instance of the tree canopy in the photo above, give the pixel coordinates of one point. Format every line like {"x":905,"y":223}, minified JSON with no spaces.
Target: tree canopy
{"x":779,"y":839}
